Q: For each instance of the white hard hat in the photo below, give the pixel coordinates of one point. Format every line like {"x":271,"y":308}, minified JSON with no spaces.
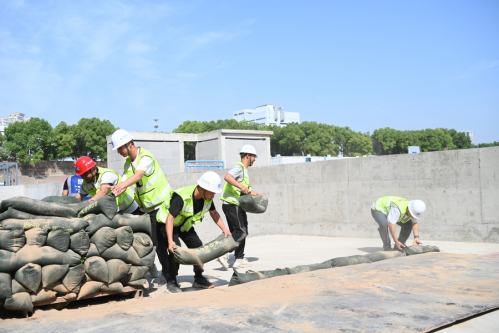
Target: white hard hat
{"x":120,"y":137}
{"x":416,"y":208}
{"x":210,"y":181}
{"x":248,"y":149}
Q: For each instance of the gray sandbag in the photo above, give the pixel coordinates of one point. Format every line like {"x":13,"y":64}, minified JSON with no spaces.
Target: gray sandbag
{"x":142,"y":244}
{"x":12,"y":213}
{"x":309,"y":268}
{"x":43,"y":295}
{"x":17,"y":287}
{"x":89,"y":288}
{"x":141,"y":283}
{"x":253,"y":204}
{"x":36,"y":236}
{"x":71,"y":297}
{"x":59,"y":239}
{"x":80,"y":243}
{"x":38,"y":207}
{"x":92,"y":251}
{"x":124,"y":237}
{"x":74,"y":277}
{"x":12,"y":240}
{"x":419,"y":249}
{"x":52,"y":273}
{"x":59,"y":288}
{"x":240,"y":278}
{"x":383,"y":255}
{"x":148,"y":260}
{"x":104,"y":238}
{"x":72,"y":224}
{"x":350,"y":260}
{"x":116,"y":270}
{"x":113,"y":288}
{"x":64,"y":199}
{"x":116,"y":252}
{"x":138,"y":223}
{"x":19,"y":302}
{"x":30,"y":276}
{"x":42,"y":256}
{"x":96,"y":268}
{"x":104,"y":205}
{"x":208,"y":252}
{"x":5,"y":285}
{"x":136,"y":273}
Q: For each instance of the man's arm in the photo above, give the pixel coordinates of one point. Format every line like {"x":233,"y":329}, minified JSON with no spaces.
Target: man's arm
{"x":79,"y":197}
{"x":103,"y":191}
{"x":169,"y":232}
{"x":121,"y":187}
{"x":232,"y":181}
{"x":65,"y":192}
{"x":415,"y":231}
{"x":218,"y":220}
{"x":393,"y":232}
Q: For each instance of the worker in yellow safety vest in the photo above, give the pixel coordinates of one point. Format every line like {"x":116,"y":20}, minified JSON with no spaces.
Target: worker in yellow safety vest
{"x":389,"y":211}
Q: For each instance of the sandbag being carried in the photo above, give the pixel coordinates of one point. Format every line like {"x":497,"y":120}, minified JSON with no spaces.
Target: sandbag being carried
{"x":382,"y":255}
{"x":309,"y":268}
{"x":116,"y":269}
{"x":38,"y":207}
{"x":253,"y":204}
{"x":104,"y":205}
{"x":74,"y":277}
{"x":214,"y":249}
{"x":19,"y":302}
{"x":350,"y":260}
{"x":142,"y":244}
{"x":104,"y":238}
{"x":138,"y":223}
{"x":52,"y":273}
{"x":12,"y":240}
{"x":42,"y":256}
{"x":418,"y":249}
{"x":36,"y":237}
{"x":30,"y":276}
{"x":124,"y":237}
{"x":72,"y":225}
{"x":59,"y":239}
{"x":80,"y":243}
{"x":96,"y":268}
{"x":64,"y":199}
{"x":240,"y":278}
{"x":5,"y":285}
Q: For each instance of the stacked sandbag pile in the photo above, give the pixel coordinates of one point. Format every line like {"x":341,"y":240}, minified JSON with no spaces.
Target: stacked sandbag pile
{"x":60,"y":246}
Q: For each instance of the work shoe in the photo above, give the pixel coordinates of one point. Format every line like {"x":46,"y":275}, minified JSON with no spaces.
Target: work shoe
{"x":240,"y":263}
{"x":153,"y":272}
{"x":224,"y":261}
{"x":173,"y":287}
{"x":202,"y":282}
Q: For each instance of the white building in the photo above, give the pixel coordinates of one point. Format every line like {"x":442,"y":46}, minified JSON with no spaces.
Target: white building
{"x":12,"y":118}
{"x":268,"y":114}
{"x":469,"y":134}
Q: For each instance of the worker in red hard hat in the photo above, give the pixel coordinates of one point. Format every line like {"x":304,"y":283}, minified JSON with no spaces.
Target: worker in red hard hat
{"x":97,"y":182}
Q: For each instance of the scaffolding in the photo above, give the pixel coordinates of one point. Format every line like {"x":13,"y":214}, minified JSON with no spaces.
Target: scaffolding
{"x":10,"y":177}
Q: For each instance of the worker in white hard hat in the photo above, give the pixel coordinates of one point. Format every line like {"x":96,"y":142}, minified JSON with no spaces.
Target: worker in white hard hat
{"x":389,"y":211}
{"x":237,"y":184}
{"x":186,"y":207}
{"x":144,"y":175}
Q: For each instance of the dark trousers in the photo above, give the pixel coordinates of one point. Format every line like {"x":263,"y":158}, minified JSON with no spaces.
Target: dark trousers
{"x":384,"y":233}
{"x":238,"y":226}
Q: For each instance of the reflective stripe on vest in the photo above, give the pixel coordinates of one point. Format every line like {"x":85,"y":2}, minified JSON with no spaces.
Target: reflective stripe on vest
{"x":152,"y":190}
{"x":384,"y":205}
{"x":231,"y":193}
{"x":186,"y":217}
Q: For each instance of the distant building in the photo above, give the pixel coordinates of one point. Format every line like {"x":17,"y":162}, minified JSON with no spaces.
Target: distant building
{"x":267,"y":114}
{"x":12,"y":118}
{"x":469,"y":134}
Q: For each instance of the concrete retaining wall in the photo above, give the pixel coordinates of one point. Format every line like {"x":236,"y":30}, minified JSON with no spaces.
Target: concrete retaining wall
{"x":38,"y":192}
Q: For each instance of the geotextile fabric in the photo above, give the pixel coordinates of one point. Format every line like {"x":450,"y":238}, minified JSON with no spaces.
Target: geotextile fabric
{"x":64,"y":199}
{"x":240,"y":278}
{"x":80,"y":243}
{"x":124,"y":237}
{"x":253,"y":204}
{"x":71,"y":225}
{"x":142,"y":244}
{"x":29,"y":276}
{"x":208,"y":252}
{"x":309,"y":268}
{"x":5,"y":285}
{"x":138,"y":223}
{"x":59,"y":239}
{"x":104,"y":205}
{"x":52,"y":273}
{"x":12,"y":240}
{"x":38,"y":207}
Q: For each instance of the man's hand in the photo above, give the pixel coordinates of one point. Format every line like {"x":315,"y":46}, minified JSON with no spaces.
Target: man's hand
{"x":118,"y":189}
{"x":226,"y":233}
{"x":245,"y":190}
{"x":399,"y":245}
{"x":417,"y":242}
{"x":253,"y":193}
{"x":171,"y":245}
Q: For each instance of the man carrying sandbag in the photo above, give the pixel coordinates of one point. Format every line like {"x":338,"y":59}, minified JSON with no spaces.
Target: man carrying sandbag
{"x":391,"y":210}
{"x":186,"y":208}
{"x":143,"y":175}
{"x":237,"y":182}
{"x":97,"y":182}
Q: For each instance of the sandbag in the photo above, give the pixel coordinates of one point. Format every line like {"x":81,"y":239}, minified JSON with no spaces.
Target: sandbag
{"x":72,"y":225}
{"x":5,"y":285}
{"x":351,"y":260}
{"x":148,"y":260}
{"x":240,"y":278}
{"x":142,"y":244}
{"x":124,"y":237}
{"x":12,"y":240}
{"x":309,"y":268}
{"x":96,"y":268}
{"x":80,"y":243}
{"x":382,"y":255}
{"x":12,"y":213}
{"x":253,"y":204}
{"x":114,"y":288}
{"x":116,"y":270}
{"x":44,"y":255}
{"x":74,"y":277}
{"x":104,"y":205}
{"x":116,"y":252}
{"x":142,"y":283}
{"x":19,"y":302}
{"x":214,"y":249}
{"x":419,"y":249}
{"x":30,"y":276}
{"x":138,"y":223}
{"x":70,"y":297}
{"x":136,"y":273}
{"x":92,"y":251}
{"x":38,"y":207}
{"x":64,"y":199}
{"x":104,"y":238}
{"x":59,"y":239}
{"x":36,"y":236}
{"x":52,"y":273}
{"x":17,"y":287}
{"x":89,"y":288}
{"x":43,"y":295}
{"x":59,"y":288}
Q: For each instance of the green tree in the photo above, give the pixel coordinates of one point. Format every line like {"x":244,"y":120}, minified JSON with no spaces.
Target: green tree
{"x":90,"y":135}
{"x":485,"y":145}
{"x":64,"y":140}
{"x":29,"y":142}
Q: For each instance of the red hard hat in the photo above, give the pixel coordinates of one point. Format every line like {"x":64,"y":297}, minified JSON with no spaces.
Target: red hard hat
{"x":83,"y":164}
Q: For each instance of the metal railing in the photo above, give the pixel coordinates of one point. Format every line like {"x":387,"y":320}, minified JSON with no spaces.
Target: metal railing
{"x":203,"y":165}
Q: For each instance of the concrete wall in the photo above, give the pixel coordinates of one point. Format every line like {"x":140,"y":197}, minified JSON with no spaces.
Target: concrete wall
{"x":233,"y":147}
{"x":39,"y":191}
{"x":208,"y":150}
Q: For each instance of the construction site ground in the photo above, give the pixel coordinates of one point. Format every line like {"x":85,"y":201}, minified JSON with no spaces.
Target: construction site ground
{"x":417,"y":293}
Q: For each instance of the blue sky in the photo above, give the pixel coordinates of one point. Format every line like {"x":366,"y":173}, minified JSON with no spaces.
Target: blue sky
{"x":364,"y":64}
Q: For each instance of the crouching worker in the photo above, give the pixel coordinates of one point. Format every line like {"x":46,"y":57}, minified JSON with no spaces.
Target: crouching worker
{"x":187,"y":207}
{"x":97,"y":182}
{"x":389,"y":211}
